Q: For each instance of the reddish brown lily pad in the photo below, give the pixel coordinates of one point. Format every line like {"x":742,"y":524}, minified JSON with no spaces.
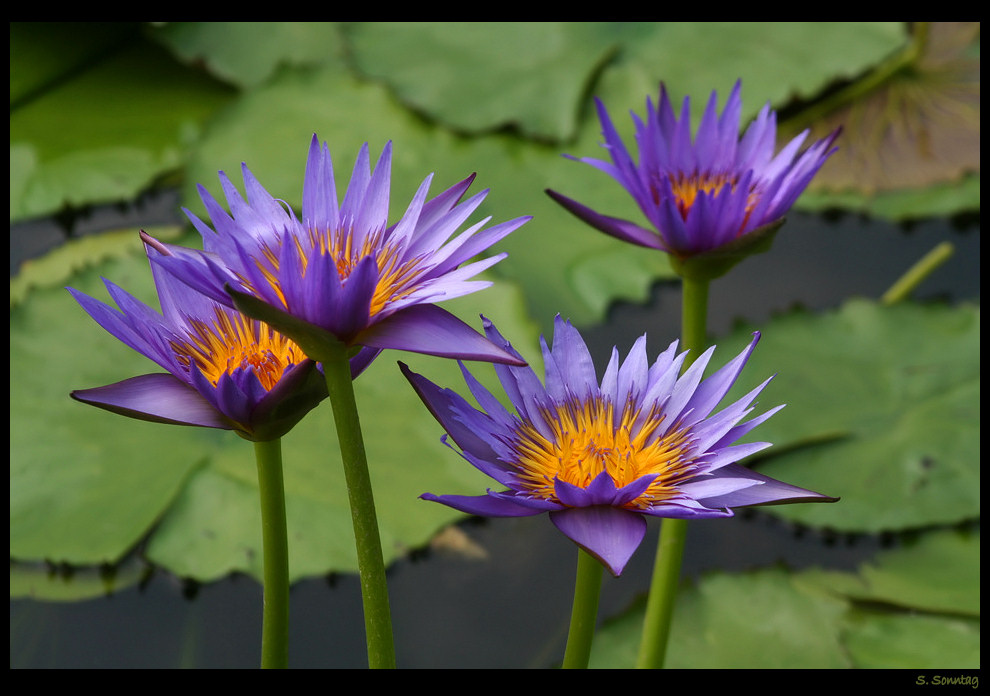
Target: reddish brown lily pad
{"x":920,"y":125}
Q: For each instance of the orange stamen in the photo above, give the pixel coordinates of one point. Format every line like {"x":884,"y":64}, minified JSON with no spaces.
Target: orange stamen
{"x":395,"y":279}
{"x":586,"y":441}
{"x":234,"y":341}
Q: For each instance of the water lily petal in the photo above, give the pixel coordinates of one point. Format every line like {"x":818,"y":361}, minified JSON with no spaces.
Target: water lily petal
{"x":160,"y":398}
{"x":609,"y":534}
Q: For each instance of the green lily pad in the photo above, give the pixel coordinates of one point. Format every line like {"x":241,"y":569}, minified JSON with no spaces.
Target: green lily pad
{"x":475,"y":76}
{"x":246,"y":54}
{"x":776,"y":61}
{"x":478,"y":76}
{"x":824,"y":619}
{"x":897,"y":641}
{"x":760,"y":620}
{"x":50,"y":584}
{"x":84,"y":486}
{"x":58,"y":266}
{"x":937,"y":200}
{"x":44,"y":53}
{"x":937,"y":572}
{"x":900,"y":384}
{"x":134,"y":112}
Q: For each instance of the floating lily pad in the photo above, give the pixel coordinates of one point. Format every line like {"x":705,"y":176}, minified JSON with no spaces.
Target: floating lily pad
{"x":44,"y":53}
{"x":84,"y":486}
{"x":760,"y":620}
{"x":937,"y":572}
{"x":246,"y":54}
{"x":938,"y":200}
{"x":776,"y":61}
{"x":899,"y":389}
{"x":475,"y":76}
{"x":134,"y":112}
{"x":478,"y":76}
{"x":69,"y":584}
{"x":58,"y":266}
{"x":898,"y":641}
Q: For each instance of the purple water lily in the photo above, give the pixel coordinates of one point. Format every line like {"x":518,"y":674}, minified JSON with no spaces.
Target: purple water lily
{"x":342,"y":272}
{"x":224,"y":370}
{"x":598,"y":456}
{"x":700,"y":195}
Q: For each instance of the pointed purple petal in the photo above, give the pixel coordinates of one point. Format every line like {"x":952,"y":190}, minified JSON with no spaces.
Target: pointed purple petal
{"x":483,"y":505}
{"x":434,"y":331}
{"x":609,"y":534}
{"x":159,"y":398}
{"x":618,"y":228}
{"x":771,"y":492}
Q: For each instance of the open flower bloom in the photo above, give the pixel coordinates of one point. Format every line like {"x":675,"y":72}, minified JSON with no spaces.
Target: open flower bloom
{"x":342,"y":273}
{"x":224,"y":370}
{"x":700,"y":195}
{"x":599,"y":456}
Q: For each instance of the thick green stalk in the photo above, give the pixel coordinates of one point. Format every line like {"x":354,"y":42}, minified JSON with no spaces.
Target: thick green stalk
{"x":670,"y":549}
{"x":275,"y":619}
{"x":371,"y":565}
{"x":584,"y":612}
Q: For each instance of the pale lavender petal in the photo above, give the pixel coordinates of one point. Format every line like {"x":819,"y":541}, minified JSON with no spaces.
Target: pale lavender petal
{"x":483,"y":505}
{"x":770,"y":492}
{"x":434,"y":331}
{"x":159,"y":398}
{"x":570,"y":351}
{"x":715,"y":387}
{"x":609,"y":534}
{"x":712,"y":487}
{"x":446,"y":405}
{"x":319,"y":190}
{"x":618,"y":228}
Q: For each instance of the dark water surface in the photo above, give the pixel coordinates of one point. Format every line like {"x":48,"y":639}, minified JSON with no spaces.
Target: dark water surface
{"x":507,"y":604}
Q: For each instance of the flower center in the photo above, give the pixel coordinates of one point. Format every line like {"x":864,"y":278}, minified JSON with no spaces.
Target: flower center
{"x":686,"y":188}
{"x":396,"y":278}
{"x":586,"y":439}
{"x":234,"y":341}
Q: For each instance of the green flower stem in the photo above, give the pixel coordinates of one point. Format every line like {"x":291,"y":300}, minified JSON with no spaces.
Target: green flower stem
{"x":694,"y":318}
{"x":275,"y":621}
{"x":670,"y":549}
{"x":917,"y":273}
{"x":371,"y":565}
{"x":584,"y":612}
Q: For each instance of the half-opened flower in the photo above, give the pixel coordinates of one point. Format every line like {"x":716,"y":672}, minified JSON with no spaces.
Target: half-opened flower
{"x":342,"y":272}
{"x":223,"y":369}
{"x":599,"y":456}
{"x":704,"y":193}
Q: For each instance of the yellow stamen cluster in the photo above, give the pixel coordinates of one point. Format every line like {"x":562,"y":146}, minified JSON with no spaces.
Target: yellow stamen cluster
{"x":395,"y":279}
{"x":686,"y":188}
{"x":586,"y":440}
{"x":235,"y":341}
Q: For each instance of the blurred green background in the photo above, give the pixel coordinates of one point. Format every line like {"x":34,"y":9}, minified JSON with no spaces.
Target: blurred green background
{"x":883,"y":402}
